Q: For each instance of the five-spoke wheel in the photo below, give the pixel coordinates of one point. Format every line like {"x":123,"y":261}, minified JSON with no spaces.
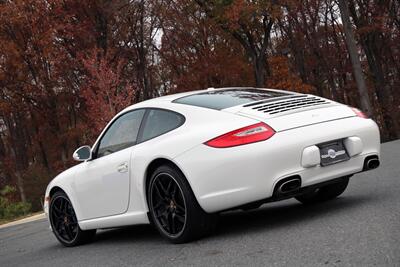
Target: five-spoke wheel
{"x":63,"y":219}
{"x":168,"y":204}
{"x":173,"y":207}
{"x":64,"y":222}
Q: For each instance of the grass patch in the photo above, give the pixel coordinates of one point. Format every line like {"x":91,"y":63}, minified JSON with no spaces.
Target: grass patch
{"x":4,"y":221}
{"x":12,"y":210}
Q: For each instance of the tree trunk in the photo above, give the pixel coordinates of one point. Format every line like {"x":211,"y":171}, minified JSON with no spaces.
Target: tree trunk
{"x":383,"y":90}
{"x":42,"y":150}
{"x":20,"y":185}
{"x":259,"y":70}
{"x":142,"y":54}
{"x":373,"y":43}
{"x":354,"y":57}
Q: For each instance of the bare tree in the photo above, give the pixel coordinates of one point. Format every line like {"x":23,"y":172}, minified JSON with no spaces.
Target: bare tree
{"x":354,"y":57}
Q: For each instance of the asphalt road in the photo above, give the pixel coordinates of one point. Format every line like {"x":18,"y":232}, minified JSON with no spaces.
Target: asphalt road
{"x":361,"y":228}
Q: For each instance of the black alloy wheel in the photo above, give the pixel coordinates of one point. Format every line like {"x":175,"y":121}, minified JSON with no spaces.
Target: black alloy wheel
{"x":64,"y":222}
{"x":168,"y":204}
{"x":173,"y":208}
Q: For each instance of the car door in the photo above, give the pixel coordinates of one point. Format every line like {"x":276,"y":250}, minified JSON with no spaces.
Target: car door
{"x":102,"y":184}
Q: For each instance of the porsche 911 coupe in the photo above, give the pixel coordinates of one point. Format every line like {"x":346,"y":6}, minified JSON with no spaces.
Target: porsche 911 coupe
{"x":178,"y":161}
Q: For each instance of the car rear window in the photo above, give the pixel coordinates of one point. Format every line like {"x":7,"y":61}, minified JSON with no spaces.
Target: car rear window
{"x":221,"y":99}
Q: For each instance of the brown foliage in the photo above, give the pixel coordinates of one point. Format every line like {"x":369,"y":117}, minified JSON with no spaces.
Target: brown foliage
{"x":66,"y":67}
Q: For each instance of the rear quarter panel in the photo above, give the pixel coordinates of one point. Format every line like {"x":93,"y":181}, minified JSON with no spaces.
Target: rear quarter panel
{"x":201,"y":125}
{"x":229,"y":177}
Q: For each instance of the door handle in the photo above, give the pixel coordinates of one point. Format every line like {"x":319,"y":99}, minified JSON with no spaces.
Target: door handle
{"x":123,"y":167}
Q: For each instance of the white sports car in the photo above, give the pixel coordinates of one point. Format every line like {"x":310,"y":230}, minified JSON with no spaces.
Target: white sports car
{"x":179,"y":160}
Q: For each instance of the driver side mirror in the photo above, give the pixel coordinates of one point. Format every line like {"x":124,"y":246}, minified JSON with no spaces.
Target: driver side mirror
{"x":83,"y":153}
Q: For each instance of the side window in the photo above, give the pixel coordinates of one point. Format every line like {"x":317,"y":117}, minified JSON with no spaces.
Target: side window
{"x":121,"y":134}
{"x":160,"y":121}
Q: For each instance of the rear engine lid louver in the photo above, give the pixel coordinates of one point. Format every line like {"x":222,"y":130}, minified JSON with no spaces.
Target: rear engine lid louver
{"x":298,"y":102}
{"x":294,"y":111}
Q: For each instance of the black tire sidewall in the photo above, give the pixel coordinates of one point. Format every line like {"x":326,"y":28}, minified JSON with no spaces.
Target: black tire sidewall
{"x":196,"y":217}
{"x":151,"y":184}
{"x":81,"y":236}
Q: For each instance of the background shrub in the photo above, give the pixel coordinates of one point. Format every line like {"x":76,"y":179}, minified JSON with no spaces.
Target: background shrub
{"x":11,"y":210}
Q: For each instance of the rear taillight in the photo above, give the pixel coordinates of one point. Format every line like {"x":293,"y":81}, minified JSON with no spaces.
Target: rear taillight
{"x":359,"y":113}
{"x":246,"y":135}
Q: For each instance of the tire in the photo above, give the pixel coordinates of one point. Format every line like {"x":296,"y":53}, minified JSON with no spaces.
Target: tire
{"x":325,"y":193}
{"x":173,"y":208}
{"x":64,"y":223}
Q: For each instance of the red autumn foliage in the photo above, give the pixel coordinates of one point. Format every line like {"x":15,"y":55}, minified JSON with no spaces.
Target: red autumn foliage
{"x":105,"y":92}
{"x":67,"y":67}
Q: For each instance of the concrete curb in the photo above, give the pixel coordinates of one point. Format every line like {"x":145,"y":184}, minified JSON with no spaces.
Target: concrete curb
{"x":24,"y":220}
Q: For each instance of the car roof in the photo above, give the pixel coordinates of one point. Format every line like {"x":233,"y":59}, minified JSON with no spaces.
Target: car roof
{"x":176,"y":98}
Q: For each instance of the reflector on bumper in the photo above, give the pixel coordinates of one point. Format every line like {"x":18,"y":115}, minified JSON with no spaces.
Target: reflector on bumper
{"x":311,"y":157}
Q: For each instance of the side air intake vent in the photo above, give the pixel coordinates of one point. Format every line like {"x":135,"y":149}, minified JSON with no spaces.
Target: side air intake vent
{"x":290,"y":104}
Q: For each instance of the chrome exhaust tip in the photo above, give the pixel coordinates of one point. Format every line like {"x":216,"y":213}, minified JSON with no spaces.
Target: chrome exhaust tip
{"x":289,"y":185}
{"x":372,"y":163}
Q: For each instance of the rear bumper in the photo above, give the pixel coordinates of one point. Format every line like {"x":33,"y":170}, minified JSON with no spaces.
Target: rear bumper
{"x":231,"y":177}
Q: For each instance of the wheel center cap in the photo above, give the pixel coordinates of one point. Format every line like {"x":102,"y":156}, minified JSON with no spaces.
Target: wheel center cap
{"x":172,"y":204}
{"x":65,"y":220}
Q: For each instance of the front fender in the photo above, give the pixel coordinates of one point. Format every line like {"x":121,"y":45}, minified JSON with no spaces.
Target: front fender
{"x":64,"y":182}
